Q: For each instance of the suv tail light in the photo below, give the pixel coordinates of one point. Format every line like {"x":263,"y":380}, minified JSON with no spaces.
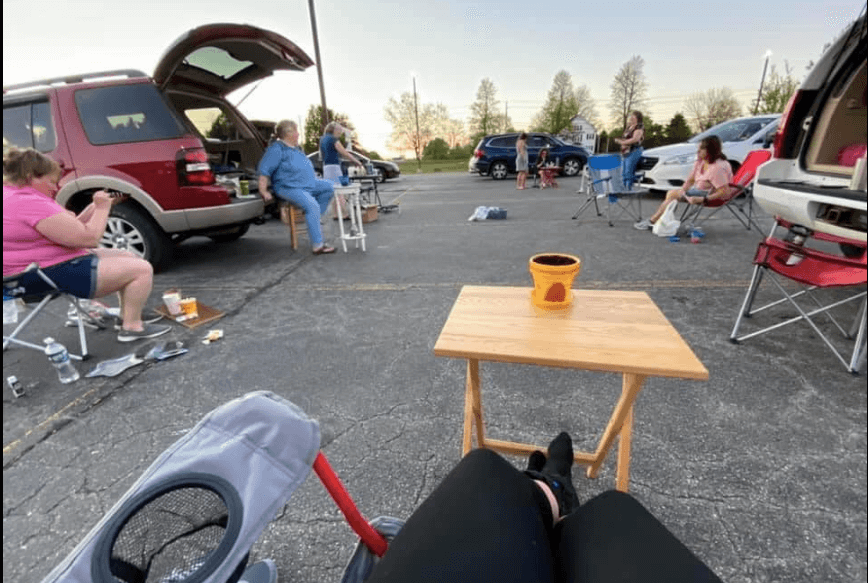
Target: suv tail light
{"x":479,"y":153}
{"x":193,"y":168}
{"x":783,"y":129}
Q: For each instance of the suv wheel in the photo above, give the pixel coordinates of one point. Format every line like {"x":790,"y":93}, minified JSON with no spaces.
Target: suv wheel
{"x":572,"y":167}
{"x":131,"y":229}
{"x":499,"y":170}
{"x":381,"y":176}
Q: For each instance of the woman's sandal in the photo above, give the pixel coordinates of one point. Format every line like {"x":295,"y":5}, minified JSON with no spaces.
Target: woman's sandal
{"x":325,"y":249}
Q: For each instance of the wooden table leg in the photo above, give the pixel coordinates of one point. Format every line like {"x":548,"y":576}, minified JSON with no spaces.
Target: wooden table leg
{"x":473,"y":408}
{"x":622,"y":473}
{"x":632,"y":384}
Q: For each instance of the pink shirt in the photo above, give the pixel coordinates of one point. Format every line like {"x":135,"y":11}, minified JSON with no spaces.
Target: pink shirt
{"x":23,"y":208}
{"x":717,"y":174}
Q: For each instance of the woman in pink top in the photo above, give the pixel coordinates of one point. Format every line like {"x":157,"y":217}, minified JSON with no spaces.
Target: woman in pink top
{"x":709,"y":179}
{"x":36,"y":229}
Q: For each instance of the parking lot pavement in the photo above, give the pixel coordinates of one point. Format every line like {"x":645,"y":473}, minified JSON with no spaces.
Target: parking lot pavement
{"x":761,"y":470}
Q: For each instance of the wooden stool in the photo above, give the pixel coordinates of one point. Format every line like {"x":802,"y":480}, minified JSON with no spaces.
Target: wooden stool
{"x":289,"y":214}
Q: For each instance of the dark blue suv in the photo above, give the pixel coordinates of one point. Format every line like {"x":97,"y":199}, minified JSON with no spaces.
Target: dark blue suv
{"x":495,"y":155}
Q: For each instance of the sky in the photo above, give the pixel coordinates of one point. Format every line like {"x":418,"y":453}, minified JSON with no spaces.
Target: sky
{"x":371,"y":51}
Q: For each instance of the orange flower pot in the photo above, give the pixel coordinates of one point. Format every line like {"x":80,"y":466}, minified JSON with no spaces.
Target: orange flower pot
{"x":553,"y":275}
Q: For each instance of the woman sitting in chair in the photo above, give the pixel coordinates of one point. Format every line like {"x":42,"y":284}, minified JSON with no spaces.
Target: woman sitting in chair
{"x":709,"y":179}
{"x":36,"y":229}
{"x":544,"y":167}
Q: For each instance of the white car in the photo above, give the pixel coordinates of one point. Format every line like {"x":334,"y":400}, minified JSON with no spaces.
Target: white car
{"x":816,"y":177}
{"x":667,"y":167}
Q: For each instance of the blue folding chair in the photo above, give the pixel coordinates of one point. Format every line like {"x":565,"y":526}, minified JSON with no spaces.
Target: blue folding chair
{"x":603,"y":180}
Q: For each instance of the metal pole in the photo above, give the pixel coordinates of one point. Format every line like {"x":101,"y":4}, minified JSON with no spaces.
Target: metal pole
{"x":325,"y":109}
{"x":418,"y":139}
{"x":760,"y":94}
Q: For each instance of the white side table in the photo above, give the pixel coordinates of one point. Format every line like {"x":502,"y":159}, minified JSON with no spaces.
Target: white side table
{"x":357,"y":231}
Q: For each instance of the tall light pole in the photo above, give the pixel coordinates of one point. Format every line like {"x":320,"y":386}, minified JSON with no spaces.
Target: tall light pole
{"x":418,"y":140}
{"x":762,"y":80}
{"x":325,"y":109}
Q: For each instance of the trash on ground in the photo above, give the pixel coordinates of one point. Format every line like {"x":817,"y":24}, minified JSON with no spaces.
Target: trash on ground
{"x":487,"y":212}
{"x":212,"y":336}
{"x":150,"y":351}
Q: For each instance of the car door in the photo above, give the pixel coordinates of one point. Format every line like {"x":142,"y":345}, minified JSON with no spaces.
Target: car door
{"x":535,"y":143}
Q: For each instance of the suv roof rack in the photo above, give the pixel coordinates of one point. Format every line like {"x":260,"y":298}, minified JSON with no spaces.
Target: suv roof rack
{"x":69,"y":79}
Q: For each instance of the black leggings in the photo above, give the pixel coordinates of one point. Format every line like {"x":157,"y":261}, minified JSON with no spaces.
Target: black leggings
{"x":486,"y":521}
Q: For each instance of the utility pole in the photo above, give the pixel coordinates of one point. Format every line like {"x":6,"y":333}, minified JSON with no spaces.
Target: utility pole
{"x":325,"y":109}
{"x":762,"y":80}
{"x":418,"y":139}
{"x":506,"y":115}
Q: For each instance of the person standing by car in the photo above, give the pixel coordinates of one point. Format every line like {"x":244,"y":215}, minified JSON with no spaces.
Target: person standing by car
{"x":631,"y":147}
{"x":331,"y":151}
{"x":709,"y":179}
{"x":521,"y":162}
{"x":36,"y":229}
{"x":291,"y":176}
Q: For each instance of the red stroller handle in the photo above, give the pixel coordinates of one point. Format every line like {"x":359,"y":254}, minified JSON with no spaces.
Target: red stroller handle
{"x":372,"y":539}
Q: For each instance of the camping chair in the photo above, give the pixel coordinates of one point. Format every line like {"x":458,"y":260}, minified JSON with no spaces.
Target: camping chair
{"x":195,"y":512}
{"x":815,"y":270}
{"x":16,"y":287}
{"x":740,"y":195}
{"x":605,"y":182}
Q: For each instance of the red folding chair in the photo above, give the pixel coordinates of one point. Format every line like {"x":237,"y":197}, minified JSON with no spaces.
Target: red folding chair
{"x":814,"y":270}
{"x":739,"y":201}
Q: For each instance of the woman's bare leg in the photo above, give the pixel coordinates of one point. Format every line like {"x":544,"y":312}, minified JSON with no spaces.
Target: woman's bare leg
{"x":131,"y":277}
{"x":670,"y":196}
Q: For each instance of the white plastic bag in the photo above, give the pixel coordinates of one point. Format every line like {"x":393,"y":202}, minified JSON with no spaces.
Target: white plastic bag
{"x":667,"y":225}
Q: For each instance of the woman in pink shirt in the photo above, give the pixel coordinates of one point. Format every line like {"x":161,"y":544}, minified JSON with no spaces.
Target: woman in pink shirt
{"x":709,"y":179}
{"x":36,"y":229}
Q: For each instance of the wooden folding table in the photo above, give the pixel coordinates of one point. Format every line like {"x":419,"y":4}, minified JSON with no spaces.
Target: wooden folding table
{"x":606,"y":331}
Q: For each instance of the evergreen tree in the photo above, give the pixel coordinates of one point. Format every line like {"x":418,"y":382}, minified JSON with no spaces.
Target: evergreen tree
{"x":677,"y":131}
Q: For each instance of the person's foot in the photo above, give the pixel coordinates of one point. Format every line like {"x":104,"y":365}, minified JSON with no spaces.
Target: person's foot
{"x":147,"y":331}
{"x":643,"y":225}
{"x":323,"y":250}
{"x":557,"y":472}
{"x":536,"y":461}
{"x":148,"y":317}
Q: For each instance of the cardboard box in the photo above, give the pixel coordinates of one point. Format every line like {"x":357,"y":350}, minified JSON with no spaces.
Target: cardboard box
{"x":369,"y":213}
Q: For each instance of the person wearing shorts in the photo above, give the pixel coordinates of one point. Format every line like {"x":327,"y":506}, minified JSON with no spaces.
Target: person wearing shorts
{"x":36,"y":229}
{"x":710,"y":179}
{"x":521,"y":161}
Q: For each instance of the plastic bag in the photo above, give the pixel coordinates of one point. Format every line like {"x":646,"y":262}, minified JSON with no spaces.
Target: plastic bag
{"x":487,"y":212}
{"x":667,"y":225}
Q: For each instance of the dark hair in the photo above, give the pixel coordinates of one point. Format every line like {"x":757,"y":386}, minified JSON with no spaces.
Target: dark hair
{"x":21,"y":166}
{"x":544,"y":151}
{"x":639,"y":116}
{"x":523,"y":136}
{"x":713,"y":148}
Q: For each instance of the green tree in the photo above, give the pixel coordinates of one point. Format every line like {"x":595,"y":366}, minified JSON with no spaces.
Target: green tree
{"x":485,"y":115}
{"x":221,"y":128}
{"x":461,"y":152}
{"x":629,"y":90}
{"x":314,"y":125}
{"x":586,"y":106}
{"x":777,"y":91}
{"x":655,"y":134}
{"x":677,"y":131}
{"x":436,"y":149}
{"x":560,"y":106}
{"x":712,"y":107}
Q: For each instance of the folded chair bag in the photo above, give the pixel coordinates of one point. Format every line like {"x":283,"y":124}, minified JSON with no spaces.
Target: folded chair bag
{"x":196,"y":511}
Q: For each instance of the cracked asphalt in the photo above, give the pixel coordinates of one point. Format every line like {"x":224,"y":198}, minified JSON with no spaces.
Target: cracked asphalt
{"x":761,"y":471}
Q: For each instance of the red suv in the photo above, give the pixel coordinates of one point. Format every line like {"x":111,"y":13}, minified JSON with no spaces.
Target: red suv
{"x":172,"y":141}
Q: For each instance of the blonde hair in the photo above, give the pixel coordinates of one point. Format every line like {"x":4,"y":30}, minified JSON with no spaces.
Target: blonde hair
{"x":283,"y":128}
{"x":21,"y":166}
{"x":331,"y":127}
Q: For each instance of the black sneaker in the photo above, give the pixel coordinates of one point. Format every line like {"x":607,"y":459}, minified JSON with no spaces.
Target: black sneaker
{"x":148,"y":317}
{"x":556,"y":471}
{"x":148,"y":331}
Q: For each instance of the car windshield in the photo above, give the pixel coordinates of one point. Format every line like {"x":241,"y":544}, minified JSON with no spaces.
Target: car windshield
{"x":737,"y":130}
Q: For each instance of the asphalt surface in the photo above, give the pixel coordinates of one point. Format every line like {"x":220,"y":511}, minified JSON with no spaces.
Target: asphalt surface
{"x":760,"y":471}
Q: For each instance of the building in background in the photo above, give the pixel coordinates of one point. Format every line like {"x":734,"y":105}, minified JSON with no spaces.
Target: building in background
{"x":582,"y":133}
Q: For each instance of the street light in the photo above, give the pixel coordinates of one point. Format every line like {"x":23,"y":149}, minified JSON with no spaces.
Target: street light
{"x":762,"y":80}
{"x":416,"y":109}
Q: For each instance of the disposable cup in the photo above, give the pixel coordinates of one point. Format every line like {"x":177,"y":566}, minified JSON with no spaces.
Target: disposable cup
{"x":172,"y":299}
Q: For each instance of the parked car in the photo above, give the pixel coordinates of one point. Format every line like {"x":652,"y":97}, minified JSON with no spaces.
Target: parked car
{"x":171,"y":141}
{"x":811,"y":179}
{"x":495,"y":154}
{"x":384,"y":170}
{"x":667,"y":167}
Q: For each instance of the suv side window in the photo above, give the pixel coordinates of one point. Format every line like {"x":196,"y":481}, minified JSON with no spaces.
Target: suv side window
{"x":29,"y":126}
{"x":502,"y":142}
{"x":126,"y":113}
{"x":537,"y":142}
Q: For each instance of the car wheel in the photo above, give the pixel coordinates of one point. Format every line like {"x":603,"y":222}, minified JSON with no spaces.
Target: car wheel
{"x":131,"y":229}
{"x":499,"y":170}
{"x":381,"y":176}
{"x":572,"y":167}
{"x":230,"y":234}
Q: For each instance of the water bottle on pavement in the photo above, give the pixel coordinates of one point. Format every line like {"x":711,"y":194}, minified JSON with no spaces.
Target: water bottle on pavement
{"x":59,"y":357}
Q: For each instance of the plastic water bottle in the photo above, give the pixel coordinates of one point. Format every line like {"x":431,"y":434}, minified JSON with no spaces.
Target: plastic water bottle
{"x":59,"y":357}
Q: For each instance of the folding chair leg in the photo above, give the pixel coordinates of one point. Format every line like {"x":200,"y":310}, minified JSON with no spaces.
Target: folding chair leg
{"x":13,"y":338}
{"x":858,"y":358}
{"x":749,"y":297}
